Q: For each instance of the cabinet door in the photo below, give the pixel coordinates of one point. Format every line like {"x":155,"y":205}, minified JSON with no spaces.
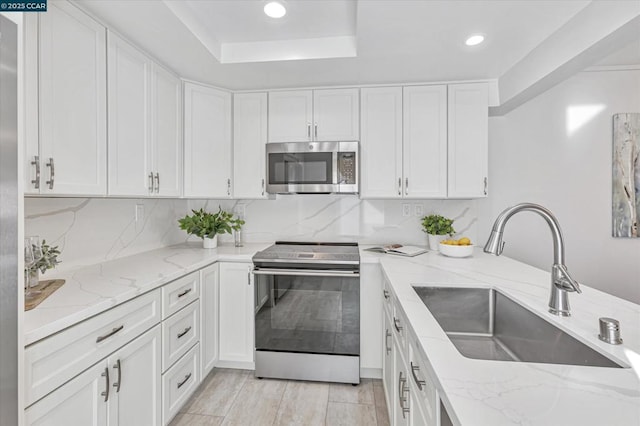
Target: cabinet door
{"x":370,"y":317}
{"x":468,"y":140}
{"x":166,"y":132}
{"x":336,"y":115}
{"x":388,"y":383}
{"x":136,"y":382}
{"x":73,"y":101}
{"x":31,"y":175}
{"x":209,"y":281}
{"x":401,"y":398}
{"x":207,"y":142}
{"x":425,"y":142}
{"x":381,"y":143}
{"x":129,"y":123}
{"x":290,"y":116}
{"x":236,"y":315}
{"x":78,"y":402}
{"x":249,"y":139}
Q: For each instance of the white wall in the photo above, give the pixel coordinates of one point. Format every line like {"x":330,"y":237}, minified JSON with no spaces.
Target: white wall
{"x":96,"y":230}
{"x":556,"y":151}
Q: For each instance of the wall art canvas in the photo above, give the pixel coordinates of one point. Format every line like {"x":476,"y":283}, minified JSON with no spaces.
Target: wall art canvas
{"x":626,"y":175}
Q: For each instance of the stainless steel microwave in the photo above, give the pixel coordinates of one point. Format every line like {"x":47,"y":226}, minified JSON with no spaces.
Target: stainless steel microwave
{"x":312,"y":168}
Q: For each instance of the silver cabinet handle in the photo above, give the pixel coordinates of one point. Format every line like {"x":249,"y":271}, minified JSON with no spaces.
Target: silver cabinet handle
{"x":486,"y":184}
{"x":249,"y":276}
{"x":151,"y":183}
{"x":52,"y":173}
{"x":385,"y":293}
{"x":419,"y":382}
{"x":229,"y":186}
{"x":185,"y":331}
{"x":403,"y":399}
{"x":117,"y":384}
{"x":387,"y":334}
{"x":406,"y":186}
{"x":396,"y":323}
{"x":36,"y":162}
{"x":186,"y":379}
{"x":315,"y":130}
{"x":184,"y":293}
{"x":109,"y":334}
{"x":157,"y":182}
{"x":399,"y":186}
{"x":105,"y":393}
{"x":309,"y":131}
{"x":262,"y":186}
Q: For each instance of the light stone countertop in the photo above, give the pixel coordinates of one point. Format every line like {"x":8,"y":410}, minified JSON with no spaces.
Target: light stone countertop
{"x":476,"y":392}
{"x":479,"y":392}
{"x":93,"y":289}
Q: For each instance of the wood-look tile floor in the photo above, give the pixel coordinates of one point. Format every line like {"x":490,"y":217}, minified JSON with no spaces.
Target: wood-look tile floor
{"x":235,"y":397}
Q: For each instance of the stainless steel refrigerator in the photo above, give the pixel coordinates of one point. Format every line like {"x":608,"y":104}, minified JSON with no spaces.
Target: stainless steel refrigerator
{"x":8,"y":223}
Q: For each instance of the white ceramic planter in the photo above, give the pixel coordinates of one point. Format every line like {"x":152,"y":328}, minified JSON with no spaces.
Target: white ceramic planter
{"x":210,"y":243}
{"x":434,"y":241}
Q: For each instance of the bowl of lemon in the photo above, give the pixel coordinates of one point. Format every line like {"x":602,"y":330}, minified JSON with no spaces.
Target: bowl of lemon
{"x":456,"y":248}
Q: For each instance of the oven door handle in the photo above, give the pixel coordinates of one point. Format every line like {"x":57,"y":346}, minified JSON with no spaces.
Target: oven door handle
{"x":307,"y":273}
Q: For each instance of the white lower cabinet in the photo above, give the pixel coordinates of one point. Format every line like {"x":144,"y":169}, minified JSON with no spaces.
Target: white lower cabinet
{"x":370,"y":320}
{"x":179,"y":383}
{"x":209,"y":282}
{"x":410,"y":391}
{"x":179,"y":333}
{"x":123,"y":389}
{"x":237,"y":311}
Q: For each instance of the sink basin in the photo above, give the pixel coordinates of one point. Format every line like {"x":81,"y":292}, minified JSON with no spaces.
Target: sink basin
{"x":484,"y":323}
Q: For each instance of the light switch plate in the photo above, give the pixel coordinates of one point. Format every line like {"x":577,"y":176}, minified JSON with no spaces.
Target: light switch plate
{"x":418,"y":210}
{"x":139,"y":217}
{"x":406,"y":210}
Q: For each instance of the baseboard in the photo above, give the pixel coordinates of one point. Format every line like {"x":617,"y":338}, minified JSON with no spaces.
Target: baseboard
{"x":371,"y":373}
{"x":238,"y":365}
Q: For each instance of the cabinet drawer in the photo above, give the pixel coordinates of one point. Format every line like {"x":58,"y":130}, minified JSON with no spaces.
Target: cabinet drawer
{"x":422,"y":385}
{"x":179,"y":334}
{"x":179,"y":383}
{"x":52,"y":361}
{"x":179,"y":293}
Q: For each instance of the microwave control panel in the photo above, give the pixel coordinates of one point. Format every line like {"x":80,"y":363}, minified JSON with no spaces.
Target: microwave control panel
{"x":347,"y":168}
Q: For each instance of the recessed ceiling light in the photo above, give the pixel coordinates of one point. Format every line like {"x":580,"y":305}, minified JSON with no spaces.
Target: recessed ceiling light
{"x":275,"y":9}
{"x":474,"y":40}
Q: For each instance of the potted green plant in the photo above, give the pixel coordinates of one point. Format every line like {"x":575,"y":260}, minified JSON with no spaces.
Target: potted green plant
{"x":208,"y":225}
{"x":437,"y":228}
{"x":49,"y":260}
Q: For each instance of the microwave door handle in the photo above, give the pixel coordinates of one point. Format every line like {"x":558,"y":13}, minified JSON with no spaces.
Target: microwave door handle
{"x":335,"y":178}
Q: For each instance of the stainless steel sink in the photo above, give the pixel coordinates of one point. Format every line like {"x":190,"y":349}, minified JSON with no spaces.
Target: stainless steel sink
{"x":483,"y":323}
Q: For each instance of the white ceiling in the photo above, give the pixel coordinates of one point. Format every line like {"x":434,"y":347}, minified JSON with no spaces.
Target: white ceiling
{"x":628,"y":55}
{"x":395,"y":40}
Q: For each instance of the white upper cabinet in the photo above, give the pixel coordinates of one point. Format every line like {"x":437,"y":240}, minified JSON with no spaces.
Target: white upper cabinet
{"x":207,"y":142}
{"x":425,"y":141}
{"x":73,"y":102}
{"x":166,"y":132}
{"x":249,"y":140}
{"x":381,"y":143}
{"x":314,"y":115}
{"x":335,"y":115}
{"x":291,"y":116}
{"x":144,"y":124}
{"x":129,"y":119}
{"x":468,"y":140}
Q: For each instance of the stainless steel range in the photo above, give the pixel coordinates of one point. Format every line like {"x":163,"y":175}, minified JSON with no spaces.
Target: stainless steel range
{"x":307,"y":323}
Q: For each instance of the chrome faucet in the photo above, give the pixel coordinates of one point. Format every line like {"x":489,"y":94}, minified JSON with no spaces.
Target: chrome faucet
{"x":561,"y":281}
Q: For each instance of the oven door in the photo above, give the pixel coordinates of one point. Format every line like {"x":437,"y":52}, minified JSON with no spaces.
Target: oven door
{"x":308,"y":311}
{"x":302,"y":167}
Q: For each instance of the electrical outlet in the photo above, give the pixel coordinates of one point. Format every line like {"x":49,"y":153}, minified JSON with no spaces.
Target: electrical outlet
{"x":240,"y":210}
{"x":418,"y":210}
{"x":406,"y":210}
{"x":139,"y":215}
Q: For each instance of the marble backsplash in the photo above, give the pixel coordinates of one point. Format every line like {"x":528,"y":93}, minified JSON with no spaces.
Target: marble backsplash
{"x":91,"y":230}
